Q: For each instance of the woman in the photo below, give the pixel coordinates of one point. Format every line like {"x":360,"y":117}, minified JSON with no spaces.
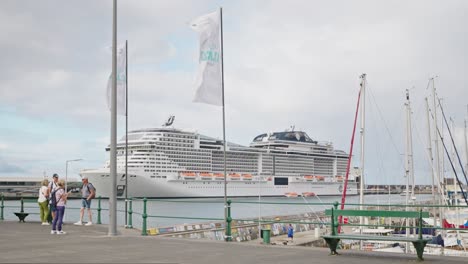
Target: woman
{"x":61,"y":198}
{"x":43,"y":202}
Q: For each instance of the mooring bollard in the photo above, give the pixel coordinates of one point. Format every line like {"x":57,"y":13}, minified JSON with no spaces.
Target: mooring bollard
{"x":143,"y":228}
{"x":99,"y":211}
{"x":1,"y":209}
{"x":130,"y":212}
{"x":228,"y":222}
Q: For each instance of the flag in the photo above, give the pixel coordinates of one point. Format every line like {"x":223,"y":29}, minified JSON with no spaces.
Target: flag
{"x":121,"y":81}
{"x":208,"y":81}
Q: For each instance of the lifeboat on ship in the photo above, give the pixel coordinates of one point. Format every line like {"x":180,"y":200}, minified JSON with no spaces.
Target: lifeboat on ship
{"x":339,"y":178}
{"x":308,"y":194}
{"x":234,"y":176}
{"x":291,"y":194}
{"x":247,"y":177}
{"x":319,"y":178}
{"x":309,"y":177}
{"x":206,"y":175}
{"x":188,"y":175}
{"x":218,"y":176}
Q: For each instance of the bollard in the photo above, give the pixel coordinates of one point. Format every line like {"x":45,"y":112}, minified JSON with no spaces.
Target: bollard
{"x":1,"y":209}
{"x":228,"y":222}
{"x":143,"y":228}
{"x":22,"y":204}
{"x":130,"y":212}
{"x":99,"y":211}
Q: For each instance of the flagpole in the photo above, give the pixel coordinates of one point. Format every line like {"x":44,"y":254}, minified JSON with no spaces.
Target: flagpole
{"x":227,"y":232}
{"x":113,"y":144}
{"x":126,"y":131}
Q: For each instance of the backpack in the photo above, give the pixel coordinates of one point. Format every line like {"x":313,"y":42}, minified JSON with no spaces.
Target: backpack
{"x":53,"y":198}
{"x":87,"y":186}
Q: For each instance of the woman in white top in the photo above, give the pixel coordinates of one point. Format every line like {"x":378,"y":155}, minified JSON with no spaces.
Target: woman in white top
{"x":43,"y":202}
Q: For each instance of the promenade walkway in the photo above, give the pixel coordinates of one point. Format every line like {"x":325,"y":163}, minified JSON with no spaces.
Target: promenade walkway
{"x":33,"y":243}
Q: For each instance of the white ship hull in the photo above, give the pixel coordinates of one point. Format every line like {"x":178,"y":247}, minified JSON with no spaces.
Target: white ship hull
{"x":174,"y":187}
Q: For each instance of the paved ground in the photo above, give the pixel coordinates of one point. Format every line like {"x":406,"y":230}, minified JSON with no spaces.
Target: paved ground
{"x":33,"y":243}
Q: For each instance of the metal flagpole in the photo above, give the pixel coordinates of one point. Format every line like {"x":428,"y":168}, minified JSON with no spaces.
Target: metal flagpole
{"x":113,"y":153}
{"x":224,"y":123}
{"x":126,"y":131}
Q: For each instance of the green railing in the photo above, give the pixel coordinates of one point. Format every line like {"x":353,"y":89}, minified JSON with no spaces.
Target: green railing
{"x":229,"y":221}
{"x":24,"y":213}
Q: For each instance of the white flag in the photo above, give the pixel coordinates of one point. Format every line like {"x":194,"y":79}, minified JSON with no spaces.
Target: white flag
{"x":121,"y":81}
{"x":208,"y":79}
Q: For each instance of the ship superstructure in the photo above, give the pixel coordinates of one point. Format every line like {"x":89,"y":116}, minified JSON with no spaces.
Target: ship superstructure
{"x":170,"y":162}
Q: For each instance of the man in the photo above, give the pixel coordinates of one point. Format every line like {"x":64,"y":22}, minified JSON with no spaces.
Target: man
{"x":53,"y":185}
{"x":87,"y":194}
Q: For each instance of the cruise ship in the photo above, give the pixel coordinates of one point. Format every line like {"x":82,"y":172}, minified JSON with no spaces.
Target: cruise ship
{"x":168,"y":162}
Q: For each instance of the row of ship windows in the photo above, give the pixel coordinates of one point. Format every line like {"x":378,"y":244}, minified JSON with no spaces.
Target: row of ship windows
{"x":178,"y":136}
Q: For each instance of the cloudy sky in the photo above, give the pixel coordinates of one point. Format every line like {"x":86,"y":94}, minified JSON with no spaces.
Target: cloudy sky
{"x":287,"y":63}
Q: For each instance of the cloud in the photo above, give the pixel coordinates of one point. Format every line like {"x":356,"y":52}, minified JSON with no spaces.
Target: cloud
{"x":295,"y":63}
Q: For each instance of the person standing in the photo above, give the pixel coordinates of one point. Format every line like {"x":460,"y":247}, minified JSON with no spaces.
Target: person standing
{"x":290,"y":232}
{"x":43,"y":202}
{"x":61,"y":199}
{"x":53,"y":185}
{"x":88,"y":192}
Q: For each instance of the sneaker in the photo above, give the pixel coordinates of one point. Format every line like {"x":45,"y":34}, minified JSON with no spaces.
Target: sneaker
{"x":88,"y":224}
{"x":78,"y":223}
{"x":61,"y":232}
{"x":45,"y":223}
{"x":53,"y":232}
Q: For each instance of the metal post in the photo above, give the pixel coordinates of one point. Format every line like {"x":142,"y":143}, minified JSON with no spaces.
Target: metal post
{"x":1,"y":209}
{"x":334,"y":219}
{"x":130,"y":212}
{"x":22,"y":203}
{"x":99,"y":211}
{"x":126,"y":128}
{"x":228,"y":222}
{"x":113,"y":138}
{"x":143,"y":228}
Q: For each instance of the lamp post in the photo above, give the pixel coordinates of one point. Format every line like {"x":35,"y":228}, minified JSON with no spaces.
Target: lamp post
{"x":66,"y":171}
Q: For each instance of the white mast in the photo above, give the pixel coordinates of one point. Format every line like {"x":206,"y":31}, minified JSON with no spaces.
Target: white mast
{"x":466,"y":144}
{"x":429,"y":144}
{"x":409,"y":167}
{"x":437,"y":152}
{"x":361,"y":180}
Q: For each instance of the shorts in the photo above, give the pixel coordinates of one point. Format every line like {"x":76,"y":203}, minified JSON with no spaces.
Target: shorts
{"x":85,"y":203}
{"x":53,"y":208}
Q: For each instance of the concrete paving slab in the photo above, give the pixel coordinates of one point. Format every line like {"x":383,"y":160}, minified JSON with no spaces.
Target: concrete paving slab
{"x":33,"y":243}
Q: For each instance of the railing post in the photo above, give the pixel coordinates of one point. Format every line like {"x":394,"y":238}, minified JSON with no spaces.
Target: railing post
{"x":22,"y":203}
{"x":1,"y":209}
{"x":228,"y":222}
{"x":143,"y":228}
{"x":99,"y":211}
{"x":335,"y":223}
{"x":130,"y":212}
{"x":420,"y":224}
{"x":333,"y":230}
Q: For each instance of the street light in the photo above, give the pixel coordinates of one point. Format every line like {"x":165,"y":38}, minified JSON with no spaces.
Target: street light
{"x":66,"y":172}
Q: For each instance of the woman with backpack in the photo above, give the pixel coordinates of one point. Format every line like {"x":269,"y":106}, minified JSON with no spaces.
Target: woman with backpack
{"x":59,"y":198}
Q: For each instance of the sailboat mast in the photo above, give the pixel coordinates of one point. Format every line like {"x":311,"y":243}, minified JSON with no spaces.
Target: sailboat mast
{"x":466,"y":143}
{"x":431,"y":157}
{"x":408,"y":162}
{"x":436,"y":148}
{"x":361,"y":179}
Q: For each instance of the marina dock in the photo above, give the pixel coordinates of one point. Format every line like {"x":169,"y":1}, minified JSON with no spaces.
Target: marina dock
{"x":32,"y":243}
